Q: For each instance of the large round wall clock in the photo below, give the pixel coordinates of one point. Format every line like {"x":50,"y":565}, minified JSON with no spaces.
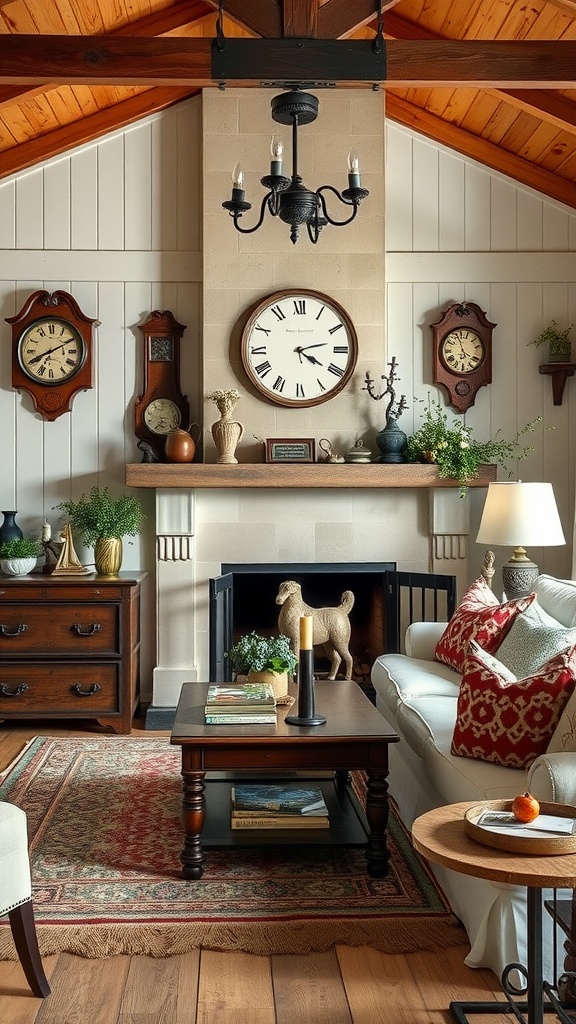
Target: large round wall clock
{"x":161,"y":407}
{"x":52,"y":351}
{"x":462,"y":339}
{"x":299,"y":348}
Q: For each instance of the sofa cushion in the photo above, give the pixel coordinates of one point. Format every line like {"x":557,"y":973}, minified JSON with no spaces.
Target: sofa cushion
{"x":558,"y":598}
{"x":510,"y":722}
{"x":564,"y":736}
{"x":480,"y":617}
{"x":533,"y":639}
{"x":396,"y":677}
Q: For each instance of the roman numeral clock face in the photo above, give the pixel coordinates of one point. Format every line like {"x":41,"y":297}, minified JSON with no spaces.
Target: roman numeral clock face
{"x":299,"y":348}
{"x":51,"y":351}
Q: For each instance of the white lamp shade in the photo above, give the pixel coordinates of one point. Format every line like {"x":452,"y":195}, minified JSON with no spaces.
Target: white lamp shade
{"x":520,"y":514}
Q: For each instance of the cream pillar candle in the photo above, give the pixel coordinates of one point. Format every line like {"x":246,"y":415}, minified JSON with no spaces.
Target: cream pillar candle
{"x":306,"y":632}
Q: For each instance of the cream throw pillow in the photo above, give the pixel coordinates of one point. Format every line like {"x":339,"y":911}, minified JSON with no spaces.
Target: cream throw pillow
{"x":533,"y":639}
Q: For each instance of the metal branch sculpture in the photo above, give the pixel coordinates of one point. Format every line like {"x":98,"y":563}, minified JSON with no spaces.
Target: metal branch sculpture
{"x":394,"y":409}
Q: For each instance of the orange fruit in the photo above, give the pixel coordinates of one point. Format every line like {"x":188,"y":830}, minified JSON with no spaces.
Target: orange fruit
{"x":525,"y":807}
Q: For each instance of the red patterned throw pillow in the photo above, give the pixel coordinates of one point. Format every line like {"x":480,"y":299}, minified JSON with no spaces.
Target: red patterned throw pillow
{"x":510,"y":721}
{"x":480,"y":617}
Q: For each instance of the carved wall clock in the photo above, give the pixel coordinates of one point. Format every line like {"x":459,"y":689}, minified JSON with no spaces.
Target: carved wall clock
{"x":161,"y":407}
{"x":462,"y":354}
{"x":299,"y":348}
{"x":52,"y":351}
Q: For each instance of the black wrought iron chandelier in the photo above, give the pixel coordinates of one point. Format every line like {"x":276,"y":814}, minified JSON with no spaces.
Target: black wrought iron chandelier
{"x":288,"y":198}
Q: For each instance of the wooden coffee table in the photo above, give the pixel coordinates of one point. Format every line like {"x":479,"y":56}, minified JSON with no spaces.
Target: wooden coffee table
{"x":355,"y":736}
{"x":440,"y":837}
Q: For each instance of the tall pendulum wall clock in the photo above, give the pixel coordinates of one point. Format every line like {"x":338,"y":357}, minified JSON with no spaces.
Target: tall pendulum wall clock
{"x":161,"y":407}
{"x":299,"y":348}
{"x":52,"y":343}
{"x":462,"y":353}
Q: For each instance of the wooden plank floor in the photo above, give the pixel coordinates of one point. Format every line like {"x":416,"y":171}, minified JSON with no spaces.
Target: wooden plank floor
{"x":345,"y":985}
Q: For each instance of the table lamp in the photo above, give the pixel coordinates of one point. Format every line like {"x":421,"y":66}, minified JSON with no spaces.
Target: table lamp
{"x":519,"y":514}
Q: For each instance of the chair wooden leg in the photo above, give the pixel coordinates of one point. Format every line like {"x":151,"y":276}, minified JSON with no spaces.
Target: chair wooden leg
{"x":26,"y":942}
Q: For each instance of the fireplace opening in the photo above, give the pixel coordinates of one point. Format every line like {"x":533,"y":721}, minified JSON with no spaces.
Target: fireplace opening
{"x":243,"y":599}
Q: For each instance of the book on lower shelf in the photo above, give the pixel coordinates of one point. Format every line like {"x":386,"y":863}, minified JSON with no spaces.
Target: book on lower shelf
{"x":279,"y":821}
{"x":277,"y":801}
{"x":246,"y":698}
{"x":241,"y":719}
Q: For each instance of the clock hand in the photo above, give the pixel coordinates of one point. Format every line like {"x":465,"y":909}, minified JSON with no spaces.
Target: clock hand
{"x":36,"y":359}
{"x":320,"y":344}
{"x":312,"y":359}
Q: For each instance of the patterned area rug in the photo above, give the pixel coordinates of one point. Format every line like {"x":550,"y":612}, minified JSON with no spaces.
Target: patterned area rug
{"x":105,"y":838}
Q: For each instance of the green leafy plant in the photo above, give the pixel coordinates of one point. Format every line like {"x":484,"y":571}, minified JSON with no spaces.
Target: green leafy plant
{"x":97,"y":514}
{"x":254,"y":653}
{"x":20,"y":547}
{"x":558,"y":340}
{"x":457,"y":454}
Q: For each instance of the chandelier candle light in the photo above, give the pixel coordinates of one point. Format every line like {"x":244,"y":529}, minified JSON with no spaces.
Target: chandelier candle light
{"x":306,"y":710}
{"x":515,"y":514}
{"x":288,"y":198}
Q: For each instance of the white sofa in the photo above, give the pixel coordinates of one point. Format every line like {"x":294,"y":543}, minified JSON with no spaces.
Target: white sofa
{"x":418,"y":697}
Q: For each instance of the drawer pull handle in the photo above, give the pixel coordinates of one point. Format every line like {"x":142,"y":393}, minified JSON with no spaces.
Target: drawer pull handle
{"x":94,"y":627}
{"x":20,"y":628}
{"x":5,"y":692}
{"x":77,"y":689}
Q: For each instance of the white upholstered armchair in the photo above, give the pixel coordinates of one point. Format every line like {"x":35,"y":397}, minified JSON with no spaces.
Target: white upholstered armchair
{"x":16,"y":895}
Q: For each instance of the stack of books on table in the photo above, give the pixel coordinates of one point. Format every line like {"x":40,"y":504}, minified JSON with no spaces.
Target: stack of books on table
{"x":240,"y":704}
{"x":267,"y":806}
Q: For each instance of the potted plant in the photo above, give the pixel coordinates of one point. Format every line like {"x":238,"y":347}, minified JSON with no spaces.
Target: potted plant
{"x":18,"y":556}
{"x":101,"y":521}
{"x":457,"y":454}
{"x":558,"y":341}
{"x":267,"y":659}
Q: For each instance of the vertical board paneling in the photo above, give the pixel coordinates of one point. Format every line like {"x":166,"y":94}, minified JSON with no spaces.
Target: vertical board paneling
{"x":189,"y":185}
{"x":164,"y":183}
{"x":425,"y":196}
{"x":476,"y":209}
{"x":8,"y":214}
{"x":398,"y":219}
{"x":555,"y":228}
{"x":83,"y":198}
{"x":57,"y":205}
{"x":8,"y":407}
{"x":138,"y":187}
{"x":451,"y":202}
{"x":30,"y":211}
{"x":503,"y":233}
{"x":111,"y":193}
{"x":530,"y":221}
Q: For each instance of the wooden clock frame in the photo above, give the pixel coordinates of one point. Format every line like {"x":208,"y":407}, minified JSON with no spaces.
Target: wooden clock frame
{"x":51,"y":400}
{"x":162,"y":334}
{"x":462,"y":387}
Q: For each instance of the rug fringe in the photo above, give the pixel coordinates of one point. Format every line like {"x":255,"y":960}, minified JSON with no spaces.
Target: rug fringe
{"x":405,"y":935}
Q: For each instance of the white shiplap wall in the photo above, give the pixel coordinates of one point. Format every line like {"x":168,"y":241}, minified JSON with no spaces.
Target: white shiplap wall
{"x":118,"y":224}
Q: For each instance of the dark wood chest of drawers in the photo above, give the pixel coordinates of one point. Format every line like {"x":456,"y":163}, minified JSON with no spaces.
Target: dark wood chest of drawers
{"x":69,"y":648}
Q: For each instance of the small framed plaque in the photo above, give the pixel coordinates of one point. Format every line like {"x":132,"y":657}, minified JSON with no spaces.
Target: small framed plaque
{"x":290,"y":449}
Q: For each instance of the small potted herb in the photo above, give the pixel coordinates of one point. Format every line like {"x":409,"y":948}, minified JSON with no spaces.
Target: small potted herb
{"x":101,"y":521}
{"x":267,"y":659}
{"x":558,"y":341}
{"x":18,"y":556}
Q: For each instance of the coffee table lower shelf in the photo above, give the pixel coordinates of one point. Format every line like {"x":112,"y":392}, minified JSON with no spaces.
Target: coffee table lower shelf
{"x":348,"y":825}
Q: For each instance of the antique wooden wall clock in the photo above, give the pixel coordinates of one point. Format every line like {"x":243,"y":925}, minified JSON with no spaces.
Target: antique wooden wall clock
{"x":52,"y":351}
{"x":299,"y":348}
{"x":462,"y":354}
{"x":161,"y":407}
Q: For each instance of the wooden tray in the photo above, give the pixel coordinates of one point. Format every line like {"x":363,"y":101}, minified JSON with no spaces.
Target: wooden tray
{"x":543,"y":845}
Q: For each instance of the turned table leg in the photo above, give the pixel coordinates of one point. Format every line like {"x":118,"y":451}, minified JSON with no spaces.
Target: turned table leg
{"x":193,"y":810}
{"x":377,"y":852}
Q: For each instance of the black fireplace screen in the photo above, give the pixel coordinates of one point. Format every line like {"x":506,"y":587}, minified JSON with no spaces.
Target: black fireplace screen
{"x":243,"y":599}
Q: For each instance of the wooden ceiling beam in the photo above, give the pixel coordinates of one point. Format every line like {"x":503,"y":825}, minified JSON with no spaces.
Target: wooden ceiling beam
{"x":114,"y":60}
{"x":487,"y":153}
{"x":263,"y":17}
{"x":338,"y":19}
{"x":300,"y":19}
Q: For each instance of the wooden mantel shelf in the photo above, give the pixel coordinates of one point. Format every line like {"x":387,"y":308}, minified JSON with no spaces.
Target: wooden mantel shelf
{"x":318,"y":474}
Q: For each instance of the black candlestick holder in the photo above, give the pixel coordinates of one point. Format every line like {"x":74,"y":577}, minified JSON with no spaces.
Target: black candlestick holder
{"x":306,"y":711}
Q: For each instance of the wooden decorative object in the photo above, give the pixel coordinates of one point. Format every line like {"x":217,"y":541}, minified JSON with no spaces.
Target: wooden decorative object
{"x":161,"y":407}
{"x":559,"y":373}
{"x":541,"y":845}
{"x":462,"y":352}
{"x":52,"y":351}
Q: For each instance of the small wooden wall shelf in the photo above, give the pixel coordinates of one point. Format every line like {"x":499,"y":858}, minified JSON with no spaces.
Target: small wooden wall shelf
{"x":327,"y":475}
{"x":559,"y":373}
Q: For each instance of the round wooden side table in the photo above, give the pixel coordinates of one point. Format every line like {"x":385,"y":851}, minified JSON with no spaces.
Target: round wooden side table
{"x":440,"y":837}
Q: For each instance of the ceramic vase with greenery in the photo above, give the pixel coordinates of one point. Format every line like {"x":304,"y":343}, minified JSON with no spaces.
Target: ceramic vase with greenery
{"x":267,"y":659}
{"x":101,"y":521}
{"x":457,"y":454}
{"x":558,"y":342}
{"x":18,"y":556}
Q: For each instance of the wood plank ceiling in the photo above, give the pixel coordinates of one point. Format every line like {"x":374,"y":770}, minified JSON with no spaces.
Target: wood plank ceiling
{"x":492,"y":79}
